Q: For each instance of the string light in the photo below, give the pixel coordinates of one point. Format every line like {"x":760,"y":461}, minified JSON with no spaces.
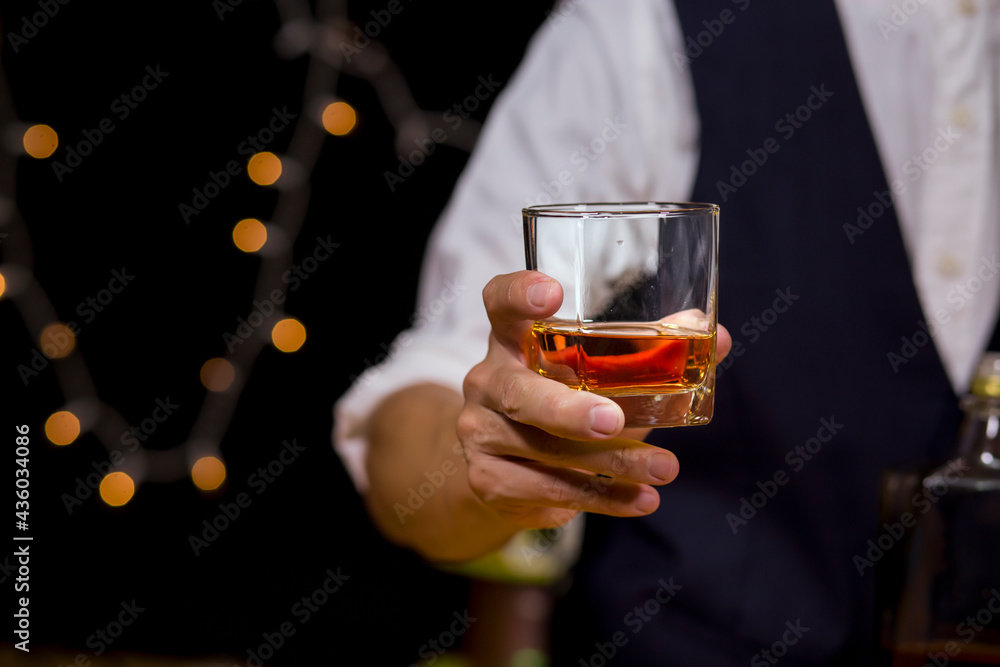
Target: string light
{"x":217,"y":374}
{"x":222,"y":377}
{"x":62,"y":428}
{"x":40,"y":141}
{"x":288,"y":335}
{"x":208,"y":473}
{"x":15,"y":279}
{"x":264,"y":168}
{"x":56,"y":340}
{"x":339,"y":118}
{"x":249,"y":235}
{"x":117,"y":488}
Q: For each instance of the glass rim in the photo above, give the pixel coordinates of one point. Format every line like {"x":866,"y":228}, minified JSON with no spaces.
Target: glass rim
{"x":628,"y":210}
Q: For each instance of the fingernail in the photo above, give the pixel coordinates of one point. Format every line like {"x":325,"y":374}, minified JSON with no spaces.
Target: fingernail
{"x":605,"y":419}
{"x":538,"y":294}
{"x":647,"y":501}
{"x":663,"y":468}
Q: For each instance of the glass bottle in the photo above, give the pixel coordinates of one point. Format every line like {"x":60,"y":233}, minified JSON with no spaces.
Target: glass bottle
{"x":938,"y":567}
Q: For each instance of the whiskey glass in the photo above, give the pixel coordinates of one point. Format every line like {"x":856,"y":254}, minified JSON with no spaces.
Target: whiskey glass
{"x":638,"y":318}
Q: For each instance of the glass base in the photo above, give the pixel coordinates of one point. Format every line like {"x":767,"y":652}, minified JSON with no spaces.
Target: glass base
{"x":688,"y":408}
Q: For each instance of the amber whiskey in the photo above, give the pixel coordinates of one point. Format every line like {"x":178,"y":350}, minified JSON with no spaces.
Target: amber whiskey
{"x":622,"y":358}
{"x":637,"y":365}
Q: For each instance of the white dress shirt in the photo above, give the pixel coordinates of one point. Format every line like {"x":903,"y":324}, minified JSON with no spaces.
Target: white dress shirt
{"x":602,"y":109}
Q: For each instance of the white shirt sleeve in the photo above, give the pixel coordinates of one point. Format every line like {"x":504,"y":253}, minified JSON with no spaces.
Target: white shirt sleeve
{"x":592,"y":114}
{"x":602,"y":109}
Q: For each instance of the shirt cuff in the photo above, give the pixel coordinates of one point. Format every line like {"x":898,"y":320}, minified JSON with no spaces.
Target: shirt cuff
{"x":351,"y":412}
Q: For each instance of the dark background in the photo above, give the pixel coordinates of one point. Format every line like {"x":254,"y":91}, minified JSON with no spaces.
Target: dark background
{"x":119,"y":209}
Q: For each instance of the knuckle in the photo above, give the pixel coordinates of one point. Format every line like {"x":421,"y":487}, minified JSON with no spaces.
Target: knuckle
{"x":606,"y":503}
{"x":621,"y":460}
{"x":488,"y":289}
{"x":555,"y":491}
{"x":550,"y":447}
{"x":473,"y":380}
{"x":477,"y":431}
{"x":478,"y":478}
{"x":467,"y":427}
{"x":493,"y":292}
{"x":483,"y":481}
{"x":511,"y":394}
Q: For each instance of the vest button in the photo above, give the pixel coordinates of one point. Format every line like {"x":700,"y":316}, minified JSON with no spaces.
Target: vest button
{"x":948,"y":265}
{"x":961,"y":117}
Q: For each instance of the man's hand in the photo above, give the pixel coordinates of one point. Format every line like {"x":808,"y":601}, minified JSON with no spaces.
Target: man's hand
{"x":539,"y":452}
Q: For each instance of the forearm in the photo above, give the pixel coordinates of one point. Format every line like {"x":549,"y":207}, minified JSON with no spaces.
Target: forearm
{"x":419,"y":495}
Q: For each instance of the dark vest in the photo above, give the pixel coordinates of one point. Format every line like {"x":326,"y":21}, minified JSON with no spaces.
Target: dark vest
{"x":776,"y":496}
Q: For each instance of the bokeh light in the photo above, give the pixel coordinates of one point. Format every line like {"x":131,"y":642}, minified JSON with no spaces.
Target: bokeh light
{"x":264,"y":168}
{"x":3,"y":285}
{"x":288,"y":335}
{"x":117,"y":488}
{"x":62,"y":428}
{"x":339,"y":118}
{"x":40,"y":141}
{"x":217,"y":374}
{"x":56,"y":340}
{"x":249,"y":235}
{"x":208,"y":473}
